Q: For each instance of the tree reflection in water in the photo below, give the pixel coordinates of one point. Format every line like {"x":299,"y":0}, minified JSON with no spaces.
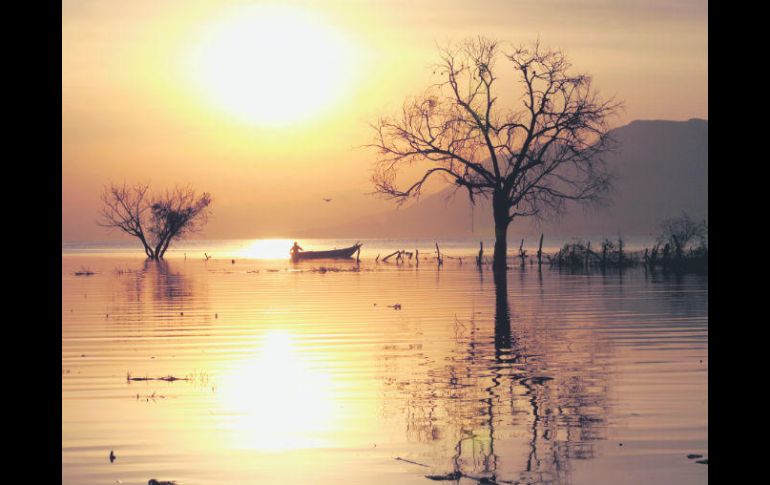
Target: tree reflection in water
{"x":156,"y":288}
{"x":495,"y":394}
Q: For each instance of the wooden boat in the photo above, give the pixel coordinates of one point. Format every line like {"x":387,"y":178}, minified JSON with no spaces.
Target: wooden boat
{"x":330,"y":254}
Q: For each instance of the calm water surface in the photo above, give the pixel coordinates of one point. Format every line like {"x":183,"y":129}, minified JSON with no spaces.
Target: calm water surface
{"x":306,"y":374}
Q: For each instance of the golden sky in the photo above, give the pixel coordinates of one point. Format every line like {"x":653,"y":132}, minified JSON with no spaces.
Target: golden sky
{"x":266,"y":104}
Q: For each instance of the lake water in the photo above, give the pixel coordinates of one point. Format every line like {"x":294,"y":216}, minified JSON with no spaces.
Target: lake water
{"x":307,"y":374}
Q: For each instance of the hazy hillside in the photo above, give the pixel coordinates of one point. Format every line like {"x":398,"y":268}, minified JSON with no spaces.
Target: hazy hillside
{"x":661,"y":169}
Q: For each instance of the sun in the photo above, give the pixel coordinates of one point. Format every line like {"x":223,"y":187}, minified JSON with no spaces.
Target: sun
{"x":270,"y":65}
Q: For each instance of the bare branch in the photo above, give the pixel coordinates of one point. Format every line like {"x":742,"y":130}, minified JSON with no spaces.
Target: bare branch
{"x":537,"y":157}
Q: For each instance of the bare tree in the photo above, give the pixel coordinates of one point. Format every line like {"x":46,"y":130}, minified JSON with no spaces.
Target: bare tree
{"x":155,"y":221}
{"x":681,"y":233}
{"x":528,"y":160}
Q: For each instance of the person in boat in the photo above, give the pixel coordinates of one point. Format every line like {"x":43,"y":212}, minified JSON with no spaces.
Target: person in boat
{"x":295,"y":249}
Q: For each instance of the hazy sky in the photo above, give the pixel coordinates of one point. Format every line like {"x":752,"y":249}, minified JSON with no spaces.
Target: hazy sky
{"x":266,"y":104}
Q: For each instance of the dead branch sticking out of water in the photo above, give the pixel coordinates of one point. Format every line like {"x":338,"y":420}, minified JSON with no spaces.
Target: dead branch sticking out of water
{"x":540,"y":251}
{"x":386,"y":258}
{"x":400,"y":256}
{"x":439,"y":259}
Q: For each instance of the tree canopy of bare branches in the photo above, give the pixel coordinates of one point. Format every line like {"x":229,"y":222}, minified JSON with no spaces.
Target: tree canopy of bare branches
{"x":682,"y":233}
{"x":530,"y":160}
{"x":154,"y":220}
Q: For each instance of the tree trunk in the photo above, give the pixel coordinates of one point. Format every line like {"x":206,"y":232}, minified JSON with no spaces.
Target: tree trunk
{"x":147,"y":249}
{"x":158,"y":254}
{"x":502,"y":221}
{"x":165,"y":247}
{"x":502,"y":312}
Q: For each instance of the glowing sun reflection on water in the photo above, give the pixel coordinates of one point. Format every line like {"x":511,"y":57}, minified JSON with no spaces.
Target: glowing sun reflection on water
{"x":267,"y":249}
{"x":277,"y":400}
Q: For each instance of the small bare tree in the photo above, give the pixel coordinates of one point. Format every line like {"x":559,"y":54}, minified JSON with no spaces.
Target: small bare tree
{"x":682,"y":233}
{"x":155,"y":221}
{"x":529,"y":161}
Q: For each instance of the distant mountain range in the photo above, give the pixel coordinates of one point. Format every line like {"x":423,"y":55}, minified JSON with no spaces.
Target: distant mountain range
{"x":661,"y":170}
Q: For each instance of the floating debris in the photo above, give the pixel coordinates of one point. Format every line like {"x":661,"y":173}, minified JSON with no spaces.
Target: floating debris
{"x":122,"y":271}
{"x":84,"y":272}
{"x":410,"y":461}
{"x":172,"y":378}
{"x":152,"y":396}
{"x":165,"y":378}
{"x":162,"y":482}
{"x":448,"y":476}
{"x":693,"y":456}
{"x":397,"y":306}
